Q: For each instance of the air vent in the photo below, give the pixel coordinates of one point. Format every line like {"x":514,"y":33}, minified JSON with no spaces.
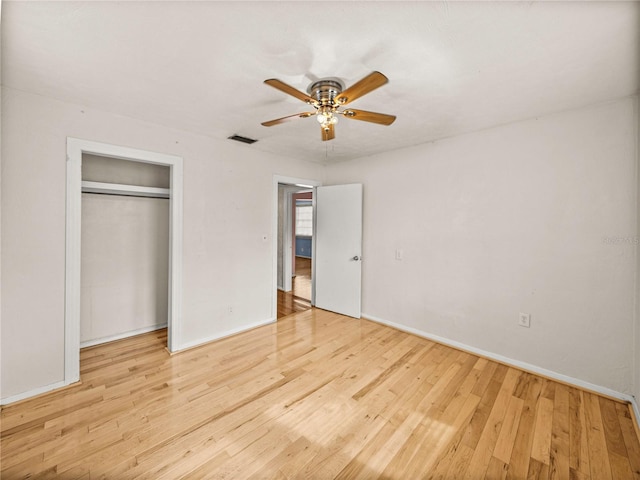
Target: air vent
{"x":239,"y":138}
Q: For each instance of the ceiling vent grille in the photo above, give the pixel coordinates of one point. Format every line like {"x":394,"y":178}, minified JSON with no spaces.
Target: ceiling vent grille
{"x":240,"y":138}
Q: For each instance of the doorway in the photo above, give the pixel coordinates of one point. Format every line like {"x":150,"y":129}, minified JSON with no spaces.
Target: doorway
{"x":302,"y":258}
{"x":295,"y":242}
{"x":293,"y":264}
{"x":336,"y":283}
{"x":76,"y":148}
{"x":295,"y":249}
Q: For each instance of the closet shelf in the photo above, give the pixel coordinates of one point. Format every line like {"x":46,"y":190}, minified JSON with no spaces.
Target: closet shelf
{"x":129,"y":190}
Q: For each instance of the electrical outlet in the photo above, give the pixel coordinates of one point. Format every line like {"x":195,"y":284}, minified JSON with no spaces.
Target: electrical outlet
{"x":524,"y":320}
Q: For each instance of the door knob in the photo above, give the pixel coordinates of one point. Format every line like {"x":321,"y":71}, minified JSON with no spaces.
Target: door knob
{"x":356,"y":258}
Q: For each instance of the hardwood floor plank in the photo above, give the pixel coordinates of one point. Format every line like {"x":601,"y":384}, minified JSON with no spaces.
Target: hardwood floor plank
{"x":576,"y":475}
{"x":578,"y":438}
{"x":439,"y":435}
{"x":486,"y":444}
{"x":540,"y":449}
{"x":335,"y":449}
{"x":319,"y":396}
{"x":612,"y":431}
{"x":598,"y":457}
{"x":509,"y":430}
{"x":521,"y":452}
{"x":419,"y":449}
{"x":459,"y":462}
{"x":537,"y":470}
{"x":497,"y":469}
{"x":394,"y":443}
{"x":560,"y":453}
{"x":620,"y":468}
{"x":630,"y":438}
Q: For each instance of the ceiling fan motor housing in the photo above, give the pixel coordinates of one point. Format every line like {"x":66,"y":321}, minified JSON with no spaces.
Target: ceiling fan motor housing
{"x":325,"y":91}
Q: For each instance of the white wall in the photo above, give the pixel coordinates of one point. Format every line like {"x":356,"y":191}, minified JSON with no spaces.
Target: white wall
{"x":112,"y":170}
{"x":227,"y":187}
{"x":125,"y":266}
{"x":529,"y":217}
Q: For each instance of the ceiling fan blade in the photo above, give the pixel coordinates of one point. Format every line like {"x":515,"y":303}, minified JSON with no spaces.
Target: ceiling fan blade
{"x":373,"y":117}
{"x":328,"y":133}
{"x":364,"y":86}
{"x":278,"y":121}
{"x":288,"y":89}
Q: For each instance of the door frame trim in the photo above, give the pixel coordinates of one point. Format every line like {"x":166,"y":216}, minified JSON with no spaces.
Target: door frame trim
{"x":287,"y":241}
{"x":75,"y":148}
{"x":277,"y":180}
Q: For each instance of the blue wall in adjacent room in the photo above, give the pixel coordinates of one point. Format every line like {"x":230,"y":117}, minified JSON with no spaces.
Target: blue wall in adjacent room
{"x":303,"y":247}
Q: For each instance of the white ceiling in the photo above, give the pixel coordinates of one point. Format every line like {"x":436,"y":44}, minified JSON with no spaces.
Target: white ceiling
{"x":454,"y":67}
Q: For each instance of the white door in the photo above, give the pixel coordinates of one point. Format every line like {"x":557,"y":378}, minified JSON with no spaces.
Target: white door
{"x":338,"y":248}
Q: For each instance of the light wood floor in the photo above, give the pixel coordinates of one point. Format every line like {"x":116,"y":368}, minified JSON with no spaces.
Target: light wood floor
{"x":299,"y":298}
{"x":314,"y":396}
{"x":302,"y":281}
{"x":288,"y":303}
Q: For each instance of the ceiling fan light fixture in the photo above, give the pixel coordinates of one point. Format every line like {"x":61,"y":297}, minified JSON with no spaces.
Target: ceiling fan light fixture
{"x":325,"y":117}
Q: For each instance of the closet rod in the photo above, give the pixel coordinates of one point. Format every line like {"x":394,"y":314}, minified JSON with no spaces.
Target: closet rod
{"x":138,"y":195}
{"x":124,"y":190}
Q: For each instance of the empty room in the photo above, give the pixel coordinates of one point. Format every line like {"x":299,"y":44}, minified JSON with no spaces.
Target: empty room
{"x":436,"y":276}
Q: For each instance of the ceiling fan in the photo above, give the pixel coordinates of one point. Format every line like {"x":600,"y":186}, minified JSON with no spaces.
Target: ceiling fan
{"x":327,"y":96}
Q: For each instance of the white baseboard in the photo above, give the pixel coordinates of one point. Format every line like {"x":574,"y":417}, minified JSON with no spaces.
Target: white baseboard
{"x":120,"y":336}
{"x":227,"y":333}
{"x":32,"y":393}
{"x":514,"y":363}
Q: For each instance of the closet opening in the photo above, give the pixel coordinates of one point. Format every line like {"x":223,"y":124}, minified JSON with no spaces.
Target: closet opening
{"x":117,"y":185}
{"x":125,"y":249}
